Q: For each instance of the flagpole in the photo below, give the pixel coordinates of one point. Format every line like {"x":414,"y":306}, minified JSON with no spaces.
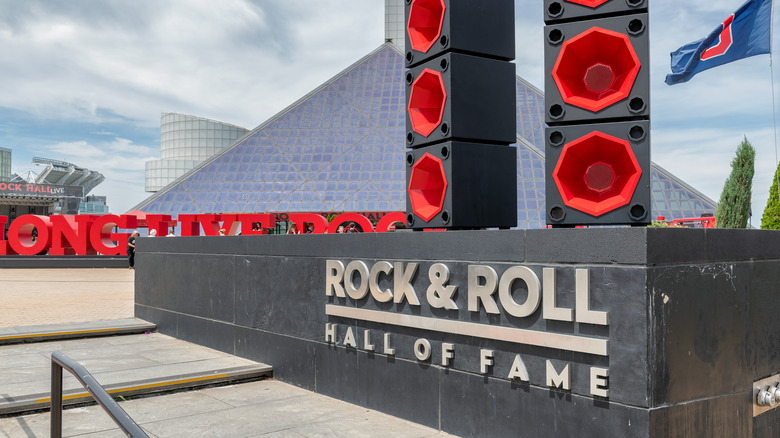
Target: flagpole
{"x":771,"y":30}
{"x":772,"y":74}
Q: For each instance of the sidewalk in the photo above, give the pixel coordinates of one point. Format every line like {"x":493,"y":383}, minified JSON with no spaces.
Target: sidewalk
{"x":55,"y":296}
{"x":258,"y":409}
{"x":265,"y":408}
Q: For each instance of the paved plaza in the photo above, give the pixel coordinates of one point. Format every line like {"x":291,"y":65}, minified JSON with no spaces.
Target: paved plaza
{"x":265,"y":408}
{"x":56,"y":296}
{"x":258,"y":409}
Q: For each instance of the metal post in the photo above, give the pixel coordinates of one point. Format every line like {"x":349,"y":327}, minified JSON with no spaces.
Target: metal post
{"x":120,"y":417}
{"x":56,"y":400}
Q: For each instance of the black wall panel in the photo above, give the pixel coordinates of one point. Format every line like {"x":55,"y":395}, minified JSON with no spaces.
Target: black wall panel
{"x":690,"y":325}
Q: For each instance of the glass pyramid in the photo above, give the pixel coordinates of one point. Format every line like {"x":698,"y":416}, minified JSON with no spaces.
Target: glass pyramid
{"x":341,"y":148}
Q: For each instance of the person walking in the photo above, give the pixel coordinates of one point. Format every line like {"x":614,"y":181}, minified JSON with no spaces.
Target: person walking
{"x":131,"y":249}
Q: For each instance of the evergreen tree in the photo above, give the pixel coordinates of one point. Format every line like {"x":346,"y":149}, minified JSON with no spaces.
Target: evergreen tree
{"x":734,"y":205}
{"x":771,"y":218}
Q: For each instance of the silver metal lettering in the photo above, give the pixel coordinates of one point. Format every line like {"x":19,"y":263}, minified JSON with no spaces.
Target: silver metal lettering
{"x":439,"y":295}
{"x":330,"y":332}
{"x":518,"y":371}
{"x":505,"y":291}
{"x":556,"y":380}
{"x":482,"y":292}
{"x":367,"y":345}
{"x":402,"y":283}
{"x":485,"y":360}
{"x":334,"y":273}
{"x":599,"y":383}
{"x":387,"y":350}
{"x":383,"y":296}
{"x":549,"y":310}
{"x":349,"y":338}
{"x":356,"y":292}
{"x":422,"y":349}
{"x":583,"y":313}
{"x":447,"y":353}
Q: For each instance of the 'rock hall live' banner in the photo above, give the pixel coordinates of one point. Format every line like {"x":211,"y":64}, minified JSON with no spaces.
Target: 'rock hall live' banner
{"x":90,"y":235}
{"x":40,"y":190}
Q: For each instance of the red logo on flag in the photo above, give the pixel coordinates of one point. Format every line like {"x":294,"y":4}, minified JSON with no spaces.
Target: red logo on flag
{"x":724,"y":41}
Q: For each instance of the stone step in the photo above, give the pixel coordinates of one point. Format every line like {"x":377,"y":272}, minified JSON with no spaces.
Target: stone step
{"x":129,"y":365}
{"x":162,"y":384}
{"x":49,"y":332}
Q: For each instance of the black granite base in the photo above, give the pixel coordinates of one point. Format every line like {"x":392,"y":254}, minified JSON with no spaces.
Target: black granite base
{"x":690,"y":325}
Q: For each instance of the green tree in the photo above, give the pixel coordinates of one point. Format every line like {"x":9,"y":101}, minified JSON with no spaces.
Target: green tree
{"x":771,"y":218}
{"x":734,"y":205}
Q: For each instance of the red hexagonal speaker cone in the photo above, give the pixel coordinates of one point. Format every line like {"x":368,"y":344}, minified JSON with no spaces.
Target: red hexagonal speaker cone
{"x":589,"y":3}
{"x":596,"y":69}
{"x":427,"y":187}
{"x":597,"y":173}
{"x":426,"y":18}
{"x":426,"y":102}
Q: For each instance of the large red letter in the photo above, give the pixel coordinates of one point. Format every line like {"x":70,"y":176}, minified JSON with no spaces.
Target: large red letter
{"x":230,"y":223}
{"x":389,"y":219}
{"x":189,"y":225}
{"x":159,"y":222}
{"x":20,"y":234}
{"x":4,"y":247}
{"x":359,"y":219}
{"x":103,"y":239}
{"x":211,"y":223}
{"x":192,"y":223}
{"x":319,"y":222}
{"x":266,"y":220}
{"x":75,"y":230}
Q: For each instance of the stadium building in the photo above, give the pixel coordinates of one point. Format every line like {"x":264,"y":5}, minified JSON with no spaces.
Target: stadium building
{"x":340,"y":148}
{"x":60,"y":188}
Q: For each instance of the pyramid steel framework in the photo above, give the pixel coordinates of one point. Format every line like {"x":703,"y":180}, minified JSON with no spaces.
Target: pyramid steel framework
{"x":341,"y":148}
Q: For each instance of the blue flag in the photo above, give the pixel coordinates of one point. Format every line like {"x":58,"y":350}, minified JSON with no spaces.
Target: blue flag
{"x":746,"y":32}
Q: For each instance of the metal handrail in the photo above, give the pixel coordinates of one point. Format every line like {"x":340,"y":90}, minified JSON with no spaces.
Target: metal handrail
{"x":112,"y":408}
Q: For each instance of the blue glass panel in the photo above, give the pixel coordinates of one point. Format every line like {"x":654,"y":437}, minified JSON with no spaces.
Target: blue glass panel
{"x":347,"y":142}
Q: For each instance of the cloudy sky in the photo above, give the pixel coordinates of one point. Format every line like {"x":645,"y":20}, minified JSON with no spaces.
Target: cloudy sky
{"x":85,"y":81}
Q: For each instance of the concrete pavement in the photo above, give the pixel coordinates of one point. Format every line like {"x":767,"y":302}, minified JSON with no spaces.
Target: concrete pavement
{"x":54,"y":296}
{"x":124,"y":365}
{"x":265,"y":408}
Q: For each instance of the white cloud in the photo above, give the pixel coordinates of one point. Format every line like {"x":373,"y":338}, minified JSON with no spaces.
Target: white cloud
{"x":242,"y":61}
{"x":120,"y":161}
{"x":233,"y":61}
{"x":124,"y":63}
